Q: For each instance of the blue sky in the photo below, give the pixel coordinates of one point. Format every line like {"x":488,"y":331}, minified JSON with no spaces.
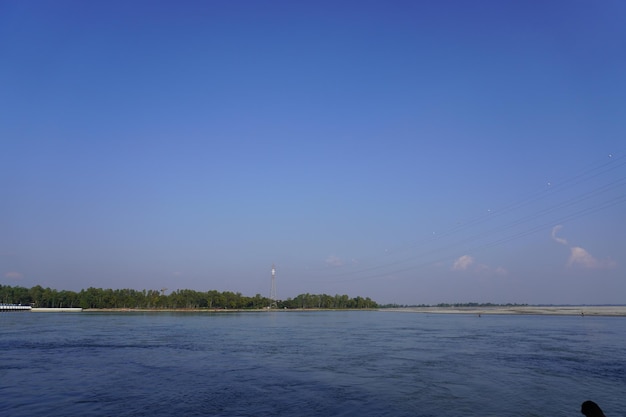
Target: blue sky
{"x":411,"y":152}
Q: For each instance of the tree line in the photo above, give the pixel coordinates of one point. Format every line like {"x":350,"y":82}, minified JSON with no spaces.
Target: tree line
{"x":38,"y":296}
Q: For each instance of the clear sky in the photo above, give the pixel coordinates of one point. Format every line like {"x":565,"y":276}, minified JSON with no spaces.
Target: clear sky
{"x":407,"y":151}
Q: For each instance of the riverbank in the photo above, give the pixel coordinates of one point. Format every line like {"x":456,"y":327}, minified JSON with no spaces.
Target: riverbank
{"x":216,"y":310}
{"x":619,"y":311}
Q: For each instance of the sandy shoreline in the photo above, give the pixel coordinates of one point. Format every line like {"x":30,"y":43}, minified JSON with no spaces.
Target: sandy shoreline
{"x":619,"y":311}
{"x":616,"y":311}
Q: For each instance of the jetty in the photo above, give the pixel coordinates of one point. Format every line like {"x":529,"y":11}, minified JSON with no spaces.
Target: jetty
{"x":19,"y":307}
{"x":14,"y":307}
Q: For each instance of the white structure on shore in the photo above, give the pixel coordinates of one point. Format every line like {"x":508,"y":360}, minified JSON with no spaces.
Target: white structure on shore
{"x":20,"y":307}
{"x":14,"y":307}
{"x":273,"y":300}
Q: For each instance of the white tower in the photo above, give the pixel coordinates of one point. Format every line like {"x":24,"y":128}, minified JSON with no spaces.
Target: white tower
{"x":273,"y":289}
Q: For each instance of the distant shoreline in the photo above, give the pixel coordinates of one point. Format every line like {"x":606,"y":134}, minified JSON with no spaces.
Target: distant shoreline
{"x":608,"y":311}
{"x":216,"y":310}
{"x":618,"y":311}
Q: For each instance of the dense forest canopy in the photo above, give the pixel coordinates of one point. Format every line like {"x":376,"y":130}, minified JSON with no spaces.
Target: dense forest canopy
{"x":179,"y":299}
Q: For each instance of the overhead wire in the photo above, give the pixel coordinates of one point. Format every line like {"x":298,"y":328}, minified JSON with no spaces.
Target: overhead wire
{"x":545,"y":226}
{"x":589,"y":173}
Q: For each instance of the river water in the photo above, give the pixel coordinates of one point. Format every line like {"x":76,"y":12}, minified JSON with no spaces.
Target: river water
{"x":370,"y":363}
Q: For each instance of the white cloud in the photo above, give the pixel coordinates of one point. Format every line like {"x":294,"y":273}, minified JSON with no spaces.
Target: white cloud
{"x":501,"y":271}
{"x":467,"y":262}
{"x":13,"y":275}
{"x":580,"y":256}
{"x":481,"y":268}
{"x":462,"y":263}
{"x":560,"y":240}
{"x":333,"y":260}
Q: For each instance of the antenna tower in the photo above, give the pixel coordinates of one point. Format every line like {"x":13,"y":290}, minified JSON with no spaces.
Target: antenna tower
{"x":273,"y":303}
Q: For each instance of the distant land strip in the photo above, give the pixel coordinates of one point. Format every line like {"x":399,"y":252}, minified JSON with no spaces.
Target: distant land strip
{"x":177,"y":300}
{"x":520,"y":310}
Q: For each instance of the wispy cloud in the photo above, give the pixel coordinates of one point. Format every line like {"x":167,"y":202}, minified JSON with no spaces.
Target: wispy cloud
{"x":14,"y":275}
{"x":462,"y":263}
{"x":333,"y":260}
{"x":560,"y":240}
{"x":467,"y":262}
{"x":501,"y":271}
{"x":580,"y":257}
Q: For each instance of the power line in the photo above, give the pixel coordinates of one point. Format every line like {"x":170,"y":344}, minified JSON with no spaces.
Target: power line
{"x":586,"y":174}
{"x":535,"y":229}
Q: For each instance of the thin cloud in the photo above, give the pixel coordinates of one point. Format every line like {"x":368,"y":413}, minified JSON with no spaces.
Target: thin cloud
{"x":467,"y":262}
{"x":333,"y":260}
{"x":560,"y":240}
{"x":501,"y":271}
{"x":581,"y":257}
{"x":14,"y":275}
{"x":462,"y":263}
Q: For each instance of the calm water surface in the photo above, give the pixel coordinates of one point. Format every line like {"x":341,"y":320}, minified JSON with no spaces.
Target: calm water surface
{"x":309,"y":364}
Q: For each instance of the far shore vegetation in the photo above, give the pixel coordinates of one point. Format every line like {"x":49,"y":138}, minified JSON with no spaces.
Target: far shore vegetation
{"x":98,"y":298}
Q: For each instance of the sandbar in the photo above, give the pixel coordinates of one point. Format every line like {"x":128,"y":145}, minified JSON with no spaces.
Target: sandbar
{"x":528,"y":310}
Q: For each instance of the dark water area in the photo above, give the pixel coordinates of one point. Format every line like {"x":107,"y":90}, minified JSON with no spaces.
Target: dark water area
{"x":309,"y":364}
